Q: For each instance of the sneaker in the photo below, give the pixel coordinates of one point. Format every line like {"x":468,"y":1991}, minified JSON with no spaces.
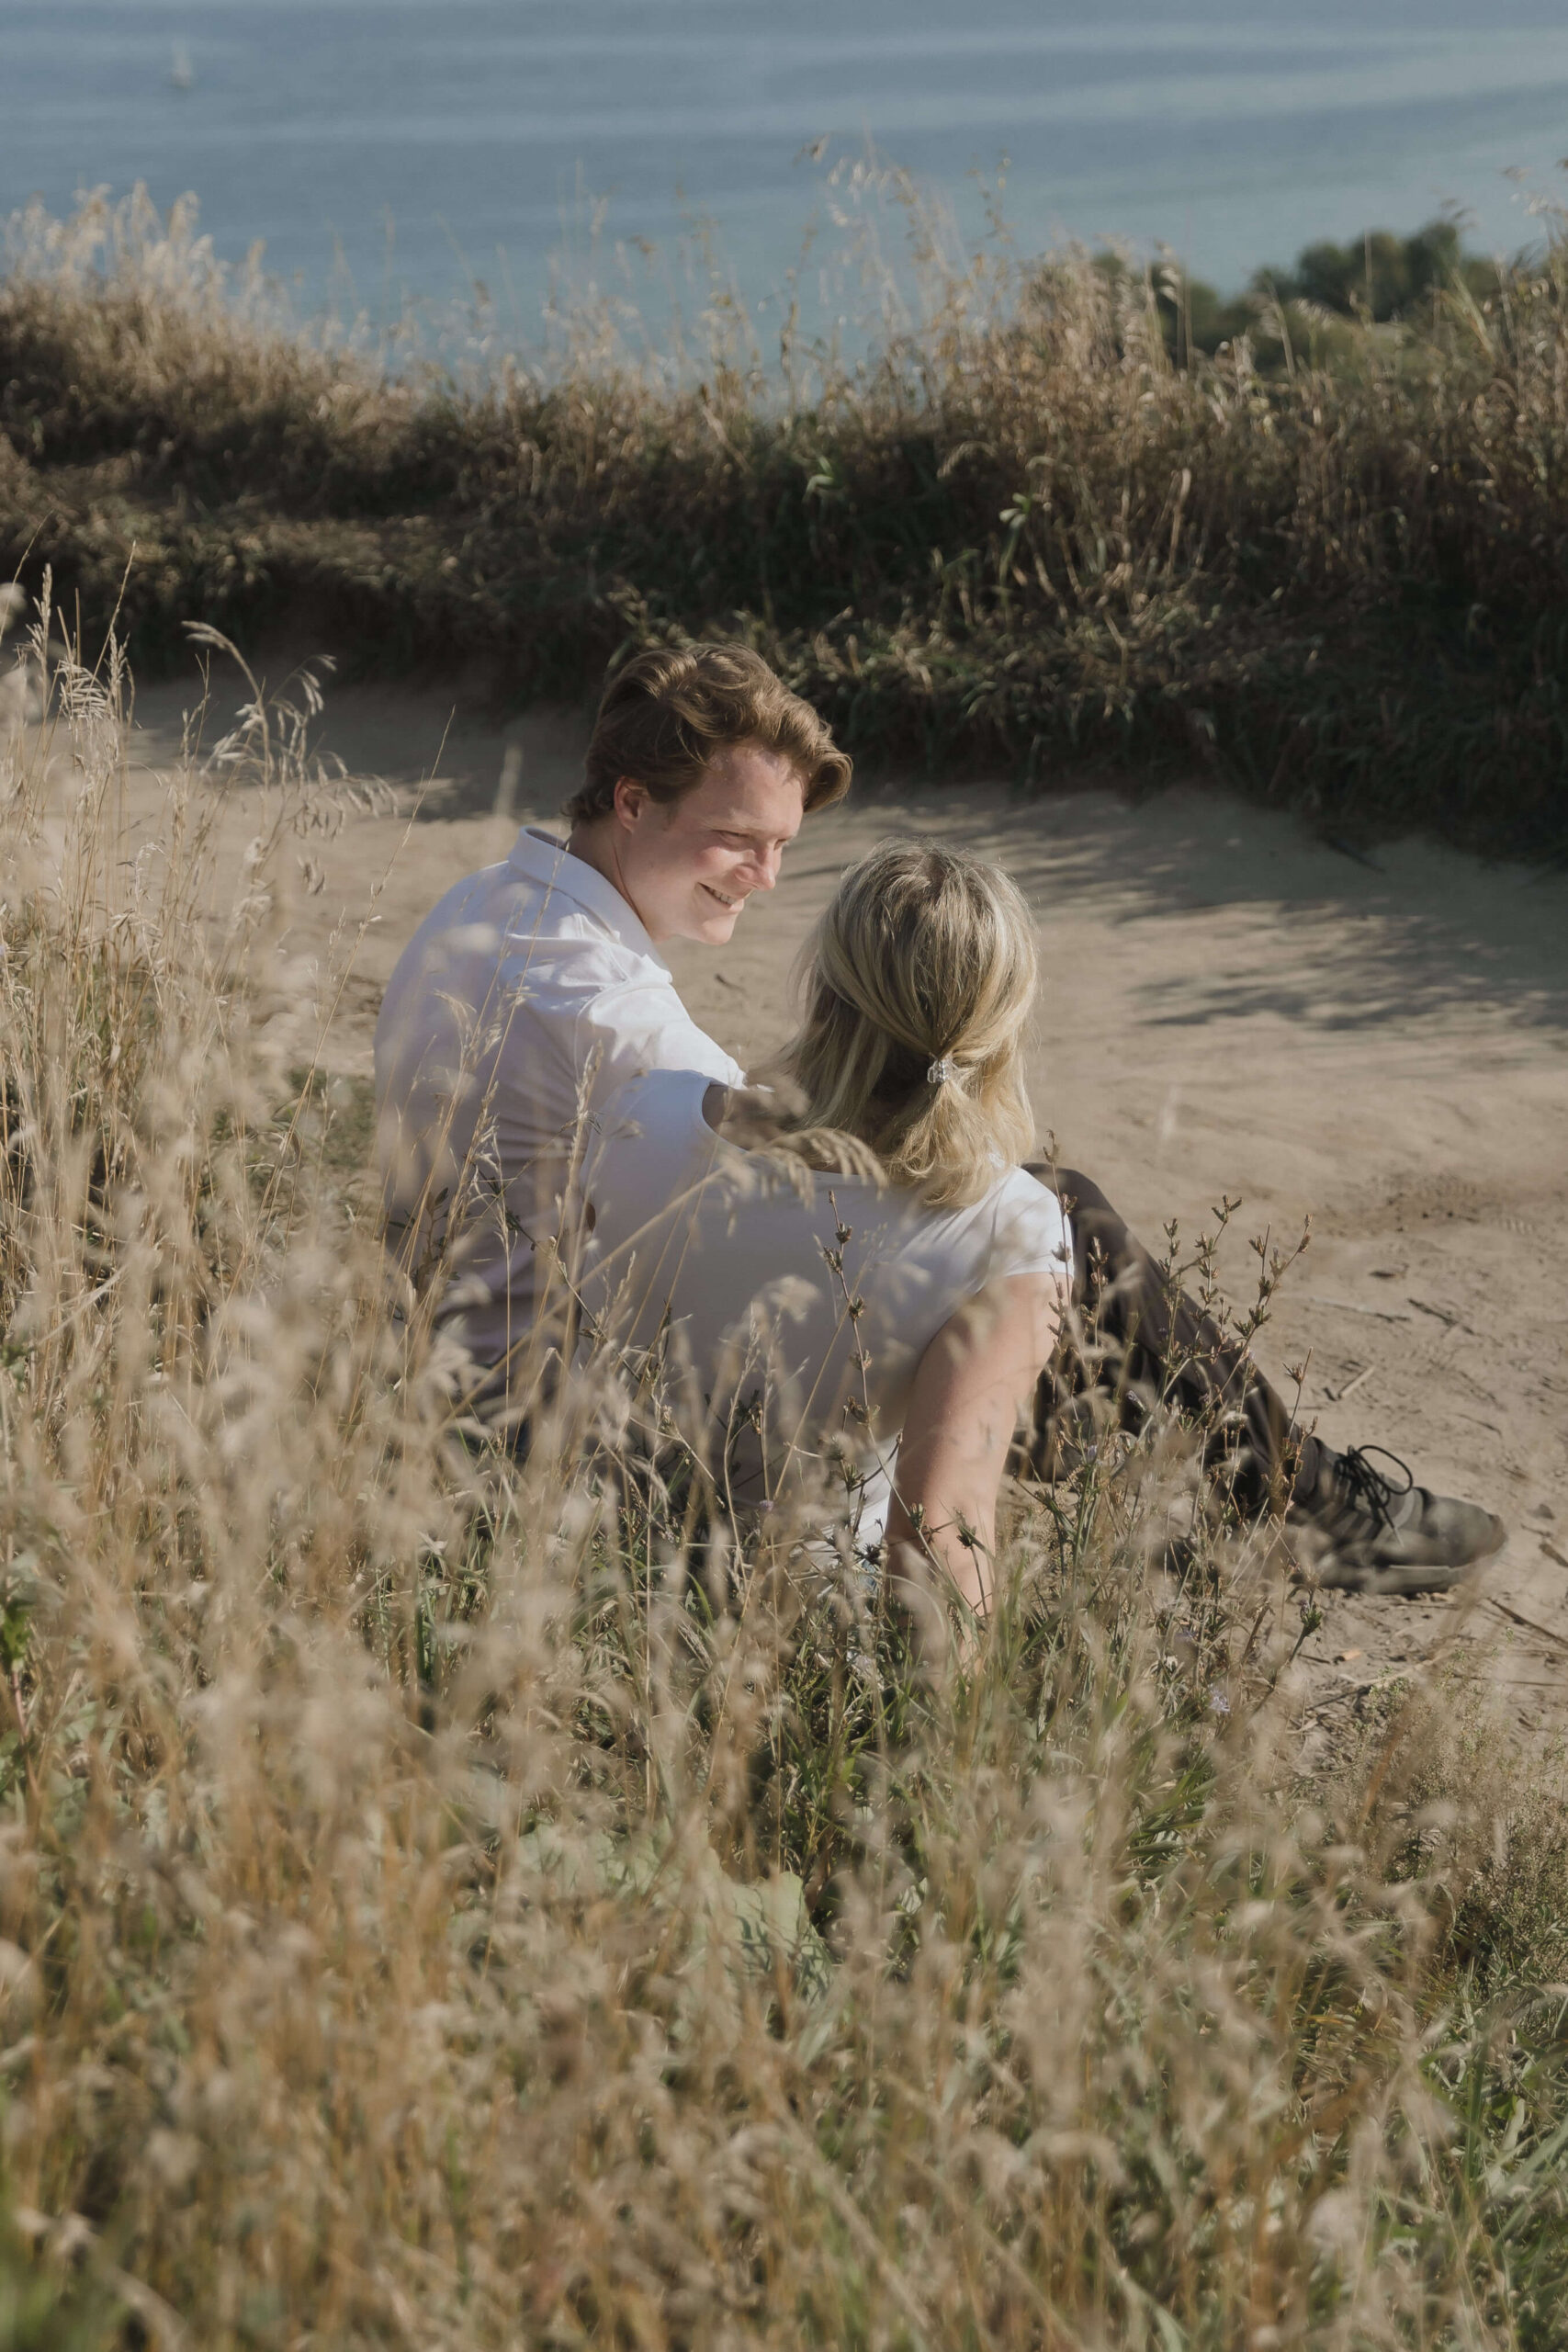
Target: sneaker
{"x":1365,"y":1531}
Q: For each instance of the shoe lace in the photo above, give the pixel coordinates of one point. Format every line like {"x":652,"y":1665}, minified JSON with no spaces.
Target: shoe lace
{"x":1353,"y":1472}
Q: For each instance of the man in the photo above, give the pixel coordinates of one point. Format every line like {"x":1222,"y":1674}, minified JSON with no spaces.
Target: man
{"x":534,"y":989}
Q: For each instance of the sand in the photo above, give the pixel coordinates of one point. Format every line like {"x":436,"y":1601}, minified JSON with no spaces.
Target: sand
{"x":1230,"y":1007}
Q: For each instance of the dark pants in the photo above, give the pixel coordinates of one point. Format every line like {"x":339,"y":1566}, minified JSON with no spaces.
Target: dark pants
{"x":1138,"y":1339}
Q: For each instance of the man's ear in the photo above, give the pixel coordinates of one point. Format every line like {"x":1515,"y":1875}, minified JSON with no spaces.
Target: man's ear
{"x":631,"y":799}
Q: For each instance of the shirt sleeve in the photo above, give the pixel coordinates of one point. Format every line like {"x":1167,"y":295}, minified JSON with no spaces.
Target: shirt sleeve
{"x":1030,"y":1235}
{"x":634,"y":1026}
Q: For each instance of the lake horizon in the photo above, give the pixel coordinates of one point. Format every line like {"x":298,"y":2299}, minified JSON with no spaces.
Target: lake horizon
{"x":394,"y":154}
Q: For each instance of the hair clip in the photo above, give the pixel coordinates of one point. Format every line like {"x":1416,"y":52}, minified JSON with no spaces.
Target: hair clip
{"x":940,"y":1072}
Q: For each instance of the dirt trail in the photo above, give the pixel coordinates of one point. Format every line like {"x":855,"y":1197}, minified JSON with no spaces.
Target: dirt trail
{"x":1229,"y":1006}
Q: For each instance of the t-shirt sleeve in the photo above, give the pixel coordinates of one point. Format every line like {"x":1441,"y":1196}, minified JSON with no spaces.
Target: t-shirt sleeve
{"x":1030,"y":1235}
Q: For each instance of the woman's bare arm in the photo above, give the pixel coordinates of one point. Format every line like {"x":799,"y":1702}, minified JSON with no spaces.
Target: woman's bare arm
{"x":970,"y":1390}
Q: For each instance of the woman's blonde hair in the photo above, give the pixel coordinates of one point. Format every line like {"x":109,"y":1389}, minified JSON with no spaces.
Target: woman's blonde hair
{"x":920,"y":980}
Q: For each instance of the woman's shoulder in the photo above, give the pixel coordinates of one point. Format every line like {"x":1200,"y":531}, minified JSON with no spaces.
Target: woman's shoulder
{"x":1023,"y":1223}
{"x":1020,"y":1188}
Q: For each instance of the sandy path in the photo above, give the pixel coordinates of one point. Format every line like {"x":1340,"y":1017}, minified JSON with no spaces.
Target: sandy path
{"x":1229,"y":1006}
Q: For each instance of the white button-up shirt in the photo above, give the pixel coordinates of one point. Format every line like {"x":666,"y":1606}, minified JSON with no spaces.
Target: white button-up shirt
{"x":525,"y":999}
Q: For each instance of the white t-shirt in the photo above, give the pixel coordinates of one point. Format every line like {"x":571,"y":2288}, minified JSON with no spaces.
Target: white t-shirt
{"x":722,"y":1242}
{"x":525,"y":999}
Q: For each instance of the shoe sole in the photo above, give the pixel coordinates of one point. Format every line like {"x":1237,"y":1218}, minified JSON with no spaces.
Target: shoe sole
{"x":1398,"y":1582}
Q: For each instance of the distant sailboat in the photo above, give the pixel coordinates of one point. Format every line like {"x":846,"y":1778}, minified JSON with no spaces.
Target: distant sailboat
{"x":182,"y":73}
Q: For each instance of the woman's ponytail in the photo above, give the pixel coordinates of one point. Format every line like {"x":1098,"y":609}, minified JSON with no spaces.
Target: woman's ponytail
{"x":919,"y":981}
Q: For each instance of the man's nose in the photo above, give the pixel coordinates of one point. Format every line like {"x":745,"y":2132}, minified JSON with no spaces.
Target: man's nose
{"x":763,"y":867}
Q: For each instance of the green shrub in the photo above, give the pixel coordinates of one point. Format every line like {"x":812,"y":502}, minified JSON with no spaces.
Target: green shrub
{"x":1018,"y":537}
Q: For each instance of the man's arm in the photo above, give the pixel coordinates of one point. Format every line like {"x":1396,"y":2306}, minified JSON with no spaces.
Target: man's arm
{"x":637,"y":1025}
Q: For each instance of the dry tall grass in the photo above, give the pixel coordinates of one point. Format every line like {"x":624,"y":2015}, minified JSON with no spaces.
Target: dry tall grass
{"x":1328,"y":557}
{"x":438,"y":1908}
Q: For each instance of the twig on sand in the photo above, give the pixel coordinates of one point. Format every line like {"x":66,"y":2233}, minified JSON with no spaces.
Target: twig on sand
{"x":1517,"y":1618}
{"x":1347,"y":849}
{"x":1442,"y":1315}
{"x":1349,"y":1306}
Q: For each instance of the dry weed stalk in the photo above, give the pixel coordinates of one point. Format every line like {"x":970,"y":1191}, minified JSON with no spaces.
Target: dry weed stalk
{"x":446,"y":1902}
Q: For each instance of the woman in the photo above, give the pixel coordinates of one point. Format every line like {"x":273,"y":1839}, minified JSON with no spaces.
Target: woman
{"x":876,"y":1285}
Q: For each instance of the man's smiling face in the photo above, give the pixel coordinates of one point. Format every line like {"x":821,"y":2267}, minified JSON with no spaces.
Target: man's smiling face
{"x":688,"y":868}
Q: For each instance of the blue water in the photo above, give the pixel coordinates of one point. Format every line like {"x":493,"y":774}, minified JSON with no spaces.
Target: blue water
{"x":410,"y":145}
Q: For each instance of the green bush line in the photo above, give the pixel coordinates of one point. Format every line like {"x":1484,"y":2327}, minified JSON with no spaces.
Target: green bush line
{"x":1327,"y":560}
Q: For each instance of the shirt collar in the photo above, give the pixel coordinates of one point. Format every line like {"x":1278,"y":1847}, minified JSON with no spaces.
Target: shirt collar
{"x":543,"y":859}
